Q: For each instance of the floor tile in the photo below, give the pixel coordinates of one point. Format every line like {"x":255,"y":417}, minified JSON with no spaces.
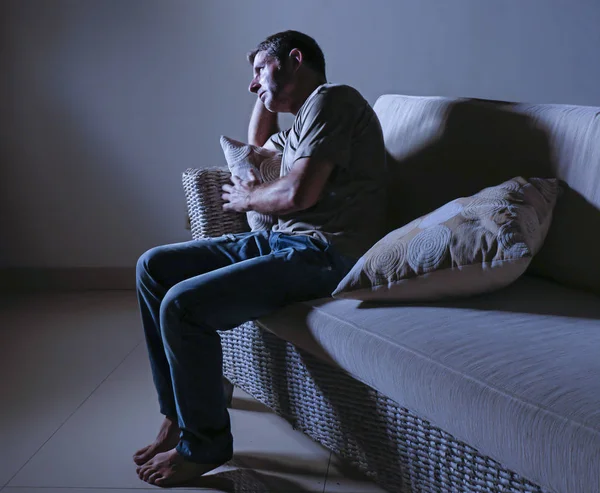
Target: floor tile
{"x":150,"y":489}
{"x":94,"y":448}
{"x":82,"y":490}
{"x":55,"y":349}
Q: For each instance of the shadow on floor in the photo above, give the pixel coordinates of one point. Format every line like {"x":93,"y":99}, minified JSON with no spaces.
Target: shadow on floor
{"x":248,"y":405}
{"x":244,"y":480}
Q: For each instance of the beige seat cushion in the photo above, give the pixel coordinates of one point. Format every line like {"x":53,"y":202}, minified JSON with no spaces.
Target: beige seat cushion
{"x":470,"y":245}
{"x":245,"y":159}
{"x":515,"y":373}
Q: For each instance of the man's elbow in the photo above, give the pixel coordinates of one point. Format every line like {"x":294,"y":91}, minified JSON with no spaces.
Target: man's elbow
{"x":300,"y":200}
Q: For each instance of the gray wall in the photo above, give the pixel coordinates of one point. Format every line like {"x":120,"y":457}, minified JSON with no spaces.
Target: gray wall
{"x":105,"y":102}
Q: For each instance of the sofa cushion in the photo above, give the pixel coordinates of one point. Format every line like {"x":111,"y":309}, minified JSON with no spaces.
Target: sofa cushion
{"x":515,"y":373}
{"x":468,"y":246}
{"x":242,"y":159}
{"x":468,"y":145}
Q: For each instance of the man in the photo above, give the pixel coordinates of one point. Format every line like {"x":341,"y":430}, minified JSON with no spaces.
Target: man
{"x":329,"y":203}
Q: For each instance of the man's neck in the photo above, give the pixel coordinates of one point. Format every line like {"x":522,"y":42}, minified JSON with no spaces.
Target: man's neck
{"x":303,"y":93}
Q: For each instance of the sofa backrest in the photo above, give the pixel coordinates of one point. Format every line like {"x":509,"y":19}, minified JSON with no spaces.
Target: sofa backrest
{"x":441,"y":148}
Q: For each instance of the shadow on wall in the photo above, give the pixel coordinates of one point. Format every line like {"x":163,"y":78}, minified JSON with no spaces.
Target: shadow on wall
{"x":568,"y":252}
{"x":482,"y":144}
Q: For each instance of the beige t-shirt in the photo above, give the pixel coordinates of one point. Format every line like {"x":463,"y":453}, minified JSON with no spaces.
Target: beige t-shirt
{"x":337,"y":124}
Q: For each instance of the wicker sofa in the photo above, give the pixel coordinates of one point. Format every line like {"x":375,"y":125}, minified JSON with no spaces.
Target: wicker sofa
{"x":495,"y":393}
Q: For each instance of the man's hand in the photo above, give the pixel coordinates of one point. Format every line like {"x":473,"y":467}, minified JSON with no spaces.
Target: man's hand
{"x":300,"y":189}
{"x":237,"y":197}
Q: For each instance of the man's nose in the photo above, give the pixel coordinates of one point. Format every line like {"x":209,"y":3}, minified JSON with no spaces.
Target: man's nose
{"x":254,"y":86}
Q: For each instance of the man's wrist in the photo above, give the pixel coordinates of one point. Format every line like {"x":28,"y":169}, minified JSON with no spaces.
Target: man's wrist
{"x":263,"y":124}
{"x":248,"y":201}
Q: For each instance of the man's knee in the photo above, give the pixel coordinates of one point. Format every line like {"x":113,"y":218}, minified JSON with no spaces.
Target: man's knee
{"x":177,"y":305}
{"x":148,"y":265}
{"x":142,"y":266}
{"x":171,"y":308}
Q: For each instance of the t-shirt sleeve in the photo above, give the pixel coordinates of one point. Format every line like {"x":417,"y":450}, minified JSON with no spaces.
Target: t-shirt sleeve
{"x":279,"y":139}
{"x":327,"y":126}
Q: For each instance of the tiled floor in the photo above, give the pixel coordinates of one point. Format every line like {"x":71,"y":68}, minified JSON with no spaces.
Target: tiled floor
{"x":77,"y":400}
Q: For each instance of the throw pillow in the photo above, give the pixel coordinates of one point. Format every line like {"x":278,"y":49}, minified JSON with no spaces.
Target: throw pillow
{"x":469,"y":246}
{"x":265,"y":164}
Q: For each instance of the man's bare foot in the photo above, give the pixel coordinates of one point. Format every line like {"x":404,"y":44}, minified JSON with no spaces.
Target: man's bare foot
{"x":171,"y":469}
{"x":168,"y":437}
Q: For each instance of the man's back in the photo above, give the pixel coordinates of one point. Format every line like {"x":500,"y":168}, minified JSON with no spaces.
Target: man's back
{"x":338,"y":125}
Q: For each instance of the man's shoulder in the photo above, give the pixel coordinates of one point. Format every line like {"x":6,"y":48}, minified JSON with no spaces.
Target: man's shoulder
{"x":330,"y":98}
{"x":338,"y":91}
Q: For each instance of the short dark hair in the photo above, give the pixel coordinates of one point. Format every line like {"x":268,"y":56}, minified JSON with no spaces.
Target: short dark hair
{"x":279,"y":46}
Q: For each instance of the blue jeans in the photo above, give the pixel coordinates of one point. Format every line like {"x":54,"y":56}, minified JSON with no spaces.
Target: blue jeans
{"x":187,"y":291}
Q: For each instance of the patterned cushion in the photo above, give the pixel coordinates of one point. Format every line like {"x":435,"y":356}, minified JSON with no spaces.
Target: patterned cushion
{"x":468,"y":246}
{"x":266,"y":165}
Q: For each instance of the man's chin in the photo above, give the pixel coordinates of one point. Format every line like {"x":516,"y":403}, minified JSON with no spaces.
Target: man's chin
{"x":272,"y":108}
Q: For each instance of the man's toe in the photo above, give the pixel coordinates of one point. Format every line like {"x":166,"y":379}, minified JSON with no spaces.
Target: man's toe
{"x":146,"y":472}
{"x":140,"y":458}
{"x":154,"y":478}
{"x":141,"y":451}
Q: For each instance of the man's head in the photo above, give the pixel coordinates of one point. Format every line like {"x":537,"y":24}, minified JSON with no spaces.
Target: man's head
{"x":287,"y":67}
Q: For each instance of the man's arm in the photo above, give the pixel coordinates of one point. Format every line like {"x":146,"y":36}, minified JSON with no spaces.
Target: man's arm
{"x":324,"y":142}
{"x":300,"y":189}
{"x":263,"y":124}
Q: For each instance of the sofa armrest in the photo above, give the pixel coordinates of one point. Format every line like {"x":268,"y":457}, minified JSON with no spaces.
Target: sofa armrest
{"x":203,"y":192}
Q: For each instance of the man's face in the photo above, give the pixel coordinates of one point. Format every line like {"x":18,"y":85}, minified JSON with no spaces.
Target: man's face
{"x":271,"y":83}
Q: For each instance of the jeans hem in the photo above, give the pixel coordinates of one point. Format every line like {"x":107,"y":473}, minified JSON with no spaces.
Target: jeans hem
{"x":205,"y":458}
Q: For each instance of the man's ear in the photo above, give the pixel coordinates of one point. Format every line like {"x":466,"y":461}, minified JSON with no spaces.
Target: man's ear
{"x":296,"y":58}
